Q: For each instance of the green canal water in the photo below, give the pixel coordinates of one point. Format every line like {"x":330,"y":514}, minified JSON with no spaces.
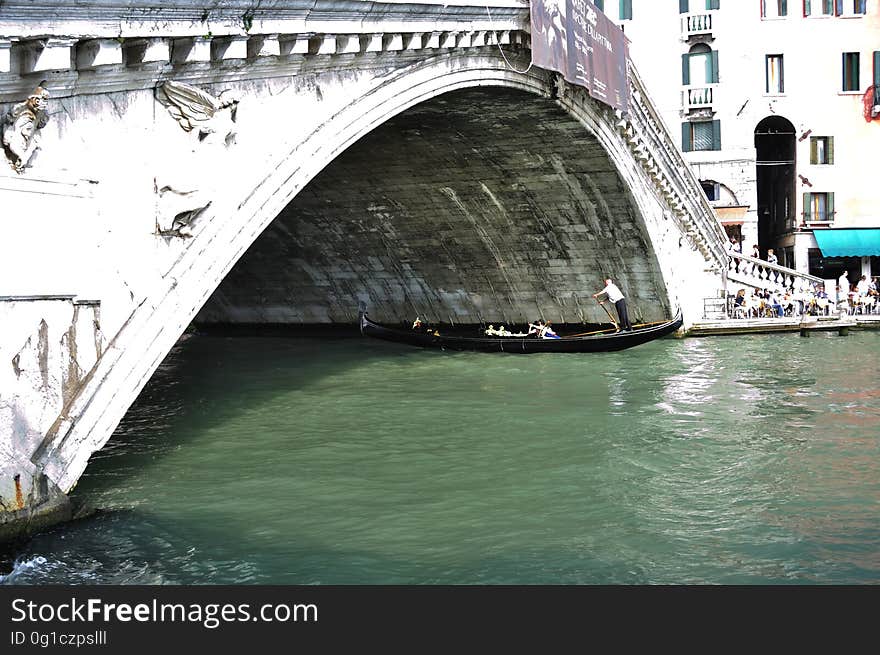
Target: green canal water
{"x":727,"y":460}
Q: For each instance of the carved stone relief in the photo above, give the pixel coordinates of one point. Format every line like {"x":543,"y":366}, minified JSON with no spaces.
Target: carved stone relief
{"x":177,"y":210}
{"x":21,"y":128}
{"x":193,"y":108}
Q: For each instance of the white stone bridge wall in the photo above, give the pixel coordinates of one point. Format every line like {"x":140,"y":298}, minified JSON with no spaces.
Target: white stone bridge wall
{"x":93,"y":219}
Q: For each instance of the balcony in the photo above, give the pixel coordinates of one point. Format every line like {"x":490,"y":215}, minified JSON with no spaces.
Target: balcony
{"x":698,"y":97}
{"x":698,"y":24}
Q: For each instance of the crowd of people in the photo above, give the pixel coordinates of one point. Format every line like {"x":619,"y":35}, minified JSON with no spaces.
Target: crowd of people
{"x":860,"y":298}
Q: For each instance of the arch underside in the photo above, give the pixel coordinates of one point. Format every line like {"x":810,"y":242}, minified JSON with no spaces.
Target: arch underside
{"x":479,"y":205}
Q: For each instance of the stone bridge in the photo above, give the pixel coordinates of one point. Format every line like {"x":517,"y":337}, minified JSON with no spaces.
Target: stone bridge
{"x":281,"y":161}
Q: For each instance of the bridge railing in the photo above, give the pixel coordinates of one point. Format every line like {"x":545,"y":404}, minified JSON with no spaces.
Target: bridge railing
{"x":662,"y":159}
{"x":759,"y":274}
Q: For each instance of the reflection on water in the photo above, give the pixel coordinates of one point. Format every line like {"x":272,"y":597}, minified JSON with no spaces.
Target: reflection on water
{"x":724,"y":460}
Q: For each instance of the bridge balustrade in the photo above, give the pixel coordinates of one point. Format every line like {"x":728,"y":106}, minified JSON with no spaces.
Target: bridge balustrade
{"x":759,"y":274}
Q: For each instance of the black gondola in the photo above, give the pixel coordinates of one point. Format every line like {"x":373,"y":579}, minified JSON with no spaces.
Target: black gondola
{"x":586,"y":342}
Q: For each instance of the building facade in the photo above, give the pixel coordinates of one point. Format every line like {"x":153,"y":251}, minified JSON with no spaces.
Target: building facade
{"x":775,"y":104}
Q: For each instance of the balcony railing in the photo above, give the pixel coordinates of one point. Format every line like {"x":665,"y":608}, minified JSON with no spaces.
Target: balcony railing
{"x":698,"y":97}
{"x":696,"y":24}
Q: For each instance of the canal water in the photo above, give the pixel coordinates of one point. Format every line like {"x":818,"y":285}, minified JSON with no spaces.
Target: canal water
{"x":726,"y":460}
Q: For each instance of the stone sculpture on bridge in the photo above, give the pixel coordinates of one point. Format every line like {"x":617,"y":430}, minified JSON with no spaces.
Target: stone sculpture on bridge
{"x":21,"y":128}
{"x":193,"y":107}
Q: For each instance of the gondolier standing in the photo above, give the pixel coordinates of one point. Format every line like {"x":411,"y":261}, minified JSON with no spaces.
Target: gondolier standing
{"x":615,"y":296}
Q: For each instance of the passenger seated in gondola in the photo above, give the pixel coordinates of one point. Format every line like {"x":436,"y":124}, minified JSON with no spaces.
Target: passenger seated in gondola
{"x":418,"y":325}
{"x":542,"y":330}
{"x":548,"y":333}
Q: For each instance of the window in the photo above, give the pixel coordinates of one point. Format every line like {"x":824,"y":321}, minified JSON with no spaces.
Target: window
{"x":821,"y":149}
{"x":818,"y":7}
{"x":818,"y":207}
{"x":850,"y":71}
{"x":849,"y":7}
{"x":774,"y":8}
{"x":702,"y":135}
{"x":626,"y":9}
{"x":683,"y":7}
{"x":775,"y":81}
{"x":699,"y":67}
{"x":876,"y":70}
{"x":711,"y":189}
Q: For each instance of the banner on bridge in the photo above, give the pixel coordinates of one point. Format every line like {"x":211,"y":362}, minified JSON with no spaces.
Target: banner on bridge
{"x":575,"y":38}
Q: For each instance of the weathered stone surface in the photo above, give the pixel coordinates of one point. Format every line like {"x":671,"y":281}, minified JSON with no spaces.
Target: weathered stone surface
{"x":484,"y":193}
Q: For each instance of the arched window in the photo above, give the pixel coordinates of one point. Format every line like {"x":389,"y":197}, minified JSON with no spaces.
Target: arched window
{"x":699,"y":67}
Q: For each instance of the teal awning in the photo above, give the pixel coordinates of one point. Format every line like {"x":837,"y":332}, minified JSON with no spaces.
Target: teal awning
{"x":841,"y":242}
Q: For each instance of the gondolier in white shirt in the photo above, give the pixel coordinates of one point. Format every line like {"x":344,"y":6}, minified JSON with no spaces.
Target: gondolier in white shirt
{"x":615,"y":296}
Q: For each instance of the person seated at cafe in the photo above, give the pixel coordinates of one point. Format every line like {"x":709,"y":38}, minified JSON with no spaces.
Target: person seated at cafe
{"x":775,"y":304}
{"x":822,"y":301}
{"x":740,"y":308}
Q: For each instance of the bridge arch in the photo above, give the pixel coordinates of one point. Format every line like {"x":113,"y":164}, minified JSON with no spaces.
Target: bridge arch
{"x":234,"y":223}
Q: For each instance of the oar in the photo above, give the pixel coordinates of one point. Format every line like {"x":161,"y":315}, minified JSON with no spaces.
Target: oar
{"x":616,"y":326}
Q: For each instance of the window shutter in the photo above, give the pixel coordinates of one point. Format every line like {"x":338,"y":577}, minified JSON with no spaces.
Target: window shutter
{"x":683,"y":6}
{"x":814,"y":154}
{"x":808,"y":206}
{"x":830,"y":150}
{"x":829,"y":206}
{"x":783,"y":8}
{"x":600,"y":4}
{"x":807,"y":10}
{"x":685,"y":69}
{"x":877,"y":68}
{"x":686,"y":137}
{"x":626,"y":10}
{"x":712,"y":62}
{"x":838,"y":7}
{"x":713,"y":4}
{"x":781,"y":74}
{"x":716,"y":135}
